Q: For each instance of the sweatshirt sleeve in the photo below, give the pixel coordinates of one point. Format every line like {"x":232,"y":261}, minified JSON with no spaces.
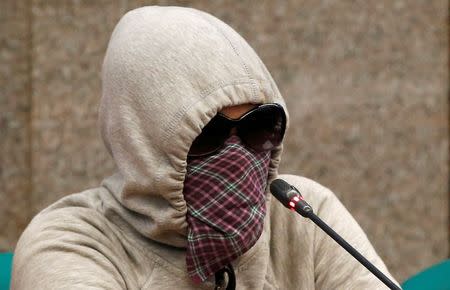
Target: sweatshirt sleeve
{"x":334,"y":267}
{"x":66,"y":250}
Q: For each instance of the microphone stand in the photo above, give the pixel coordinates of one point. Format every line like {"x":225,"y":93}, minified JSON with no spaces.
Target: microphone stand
{"x":298,"y":204}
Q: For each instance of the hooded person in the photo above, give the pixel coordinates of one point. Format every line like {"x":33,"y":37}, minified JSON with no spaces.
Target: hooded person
{"x":189,"y":200}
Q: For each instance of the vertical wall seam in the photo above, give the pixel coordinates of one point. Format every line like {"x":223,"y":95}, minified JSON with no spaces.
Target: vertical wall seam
{"x":124,"y":7}
{"x":31,"y":107}
{"x":447,"y":25}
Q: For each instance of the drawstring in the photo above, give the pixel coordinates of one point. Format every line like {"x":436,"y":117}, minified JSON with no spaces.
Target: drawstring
{"x":220,"y":278}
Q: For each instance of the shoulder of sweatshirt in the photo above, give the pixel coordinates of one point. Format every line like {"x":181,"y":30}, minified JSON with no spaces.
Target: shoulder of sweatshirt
{"x":329,"y":264}
{"x":72,"y":236}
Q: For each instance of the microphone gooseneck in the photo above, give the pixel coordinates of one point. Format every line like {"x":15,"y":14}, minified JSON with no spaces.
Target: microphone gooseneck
{"x":291,"y":198}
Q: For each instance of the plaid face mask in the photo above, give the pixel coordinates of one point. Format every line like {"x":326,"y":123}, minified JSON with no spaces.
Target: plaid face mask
{"x":225,"y":196}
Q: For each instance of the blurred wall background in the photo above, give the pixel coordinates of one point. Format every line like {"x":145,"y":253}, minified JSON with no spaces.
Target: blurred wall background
{"x":366,"y":83}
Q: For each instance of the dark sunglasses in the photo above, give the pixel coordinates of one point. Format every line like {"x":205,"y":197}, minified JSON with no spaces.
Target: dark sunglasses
{"x":260,"y":129}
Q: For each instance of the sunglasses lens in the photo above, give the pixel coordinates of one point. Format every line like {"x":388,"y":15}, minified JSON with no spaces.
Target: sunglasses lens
{"x":212,"y":137}
{"x":263,"y":129}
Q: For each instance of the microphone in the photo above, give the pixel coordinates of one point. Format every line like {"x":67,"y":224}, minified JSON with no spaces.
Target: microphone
{"x":291,"y":198}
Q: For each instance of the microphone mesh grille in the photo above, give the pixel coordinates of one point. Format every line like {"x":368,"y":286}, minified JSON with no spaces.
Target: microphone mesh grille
{"x":279,"y":186}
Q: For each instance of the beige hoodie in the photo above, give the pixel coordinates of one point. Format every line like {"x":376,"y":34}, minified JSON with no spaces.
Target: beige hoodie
{"x":166,"y":73}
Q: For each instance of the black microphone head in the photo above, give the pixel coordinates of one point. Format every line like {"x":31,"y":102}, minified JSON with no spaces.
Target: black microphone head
{"x":290,"y":197}
{"x":280,"y":188}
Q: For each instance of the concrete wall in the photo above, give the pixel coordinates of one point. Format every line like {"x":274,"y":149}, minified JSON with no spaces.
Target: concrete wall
{"x":366,"y":83}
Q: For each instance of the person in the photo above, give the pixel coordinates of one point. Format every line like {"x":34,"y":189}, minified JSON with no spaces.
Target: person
{"x":194,"y":123}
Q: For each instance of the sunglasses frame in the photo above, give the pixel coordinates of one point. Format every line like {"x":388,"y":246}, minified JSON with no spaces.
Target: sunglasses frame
{"x":236,"y":122}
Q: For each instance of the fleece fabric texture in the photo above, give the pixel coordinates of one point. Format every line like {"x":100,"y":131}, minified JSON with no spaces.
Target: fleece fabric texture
{"x":166,"y":73}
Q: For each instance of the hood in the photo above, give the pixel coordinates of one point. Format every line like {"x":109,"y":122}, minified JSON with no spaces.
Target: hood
{"x":166,"y":73}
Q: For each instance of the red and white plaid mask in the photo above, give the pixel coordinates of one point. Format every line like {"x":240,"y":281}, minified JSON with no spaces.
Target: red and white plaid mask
{"x":225,"y":196}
